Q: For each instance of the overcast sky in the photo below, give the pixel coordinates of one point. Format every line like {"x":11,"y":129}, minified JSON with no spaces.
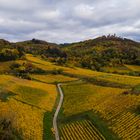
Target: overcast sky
{"x":68,"y":20}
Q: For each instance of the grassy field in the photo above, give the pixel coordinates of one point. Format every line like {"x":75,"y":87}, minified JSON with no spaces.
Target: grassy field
{"x":28,"y":104}
{"x":51,"y":78}
{"x":5,"y":66}
{"x":133,"y":67}
{"x":109,"y":104}
{"x":118,"y":69}
{"x":79,"y":72}
{"x":45,"y":65}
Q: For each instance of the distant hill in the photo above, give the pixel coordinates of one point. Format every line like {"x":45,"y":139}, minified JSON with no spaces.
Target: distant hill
{"x":4,"y":43}
{"x":40,"y":47}
{"x":94,"y":54}
{"x":36,"y":47}
{"x":36,"y":41}
{"x":103,"y":51}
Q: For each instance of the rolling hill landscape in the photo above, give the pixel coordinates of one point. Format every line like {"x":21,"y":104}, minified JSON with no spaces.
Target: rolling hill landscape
{"x":88,"y":90}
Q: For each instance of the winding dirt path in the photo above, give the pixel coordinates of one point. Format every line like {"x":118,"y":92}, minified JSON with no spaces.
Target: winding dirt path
{"x":57,"y":111}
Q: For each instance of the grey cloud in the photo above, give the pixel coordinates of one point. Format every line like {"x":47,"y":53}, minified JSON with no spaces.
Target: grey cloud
{"x":67,"y":21}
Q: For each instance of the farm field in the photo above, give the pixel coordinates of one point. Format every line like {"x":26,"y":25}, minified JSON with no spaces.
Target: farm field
{"x":80,"y":130}
{"x":45,"y":65}
{"x":38,"y":98}
{"x":123,"y":69}
{"x":118,"y":69}
{"x":133,"y":67}
{"x":86,"y":73}
{"x":24,"y":103}
{"x":5,"y":66}
{"x":51,"y":78}
{"x":88,"y":95}
{"x":116,"y":109}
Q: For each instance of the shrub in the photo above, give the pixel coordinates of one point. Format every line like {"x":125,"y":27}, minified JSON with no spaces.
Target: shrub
{"x":57,"y":71}
{"x":6,"y":130}
{"x":15,"y":65}
{"x":8,"y":54}
{"x":136,"y":90}
{"x":126,"y":92}
{"x":138,"y":109}
{"x":25,"y":68}
{"x":25,"y":76}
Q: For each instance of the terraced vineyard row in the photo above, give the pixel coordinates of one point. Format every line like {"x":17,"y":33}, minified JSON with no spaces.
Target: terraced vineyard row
{"x":127,"y":126}
{"x":80,"y":130}
{"x":98,"y":98}
{"x":80,"y":72}
{"x":124,"y":123}
{"x":114,"y":108}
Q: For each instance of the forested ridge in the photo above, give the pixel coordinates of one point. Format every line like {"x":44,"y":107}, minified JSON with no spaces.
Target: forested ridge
{"x":93,"y":54}
{"x":103,"y":51}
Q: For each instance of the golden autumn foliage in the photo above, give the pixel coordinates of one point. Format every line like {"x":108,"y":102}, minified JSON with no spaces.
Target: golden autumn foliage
{"x":30,"y":99}
{"x":116,"y":78}
{"x":27,"y":120}
{"x":80,"y":130}
{"x":51,"y":78}
{"x":80,"y":97}
{"x":113,"y":107}
{"x":133,"y":67}
{"x":26,"y":107}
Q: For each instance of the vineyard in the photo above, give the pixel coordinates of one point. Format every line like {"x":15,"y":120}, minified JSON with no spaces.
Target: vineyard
{"x":45,"y":65}
{"x":80,"y":72}
{"x":123,"y":69}
{"x":24,"y":103}
{"x":127,"y":126}
{"x":27,"y":120}
{"x":51,"y":78}
{"x":117,"y":69}
{"x":80,"y":130}
{"x":110,"y":104}
{"x":133,"y":67}
{"x":88,"y":96}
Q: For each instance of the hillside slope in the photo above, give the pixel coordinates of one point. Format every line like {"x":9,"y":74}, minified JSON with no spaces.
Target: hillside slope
{"x":103,"y":51}
{"x":40,"y":47}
